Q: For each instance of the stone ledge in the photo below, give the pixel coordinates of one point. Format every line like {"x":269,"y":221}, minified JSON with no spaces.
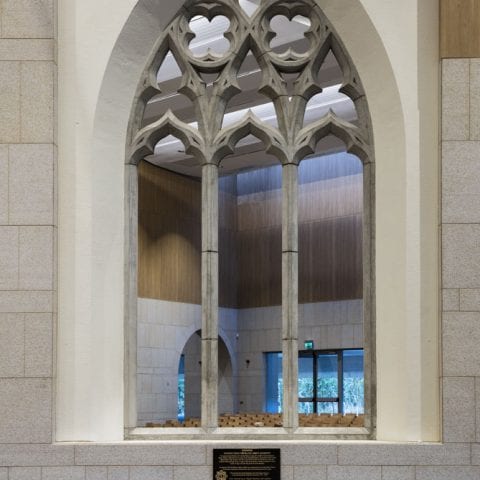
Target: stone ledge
{"x":193,"y":453}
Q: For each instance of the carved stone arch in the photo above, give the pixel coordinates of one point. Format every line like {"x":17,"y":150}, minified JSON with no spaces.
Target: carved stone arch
{"x":228,"y":138}
{"x":196,"y":328}
{"x":290,"y":142}
{"x":146,"y":139}
{"x":212,"y":142}
{"x":113,"y":112}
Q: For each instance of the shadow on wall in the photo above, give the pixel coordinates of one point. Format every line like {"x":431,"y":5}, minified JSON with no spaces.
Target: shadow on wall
{"x":168,"y":332}
{"x":193,"y":382}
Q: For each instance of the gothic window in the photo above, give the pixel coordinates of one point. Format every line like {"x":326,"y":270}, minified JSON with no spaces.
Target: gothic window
{"x":252,"y":141}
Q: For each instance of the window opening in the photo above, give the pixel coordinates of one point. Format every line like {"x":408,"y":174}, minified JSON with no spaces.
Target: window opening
{"x":246,"y":135}
{"x":290,"y":32}
{"x":249,"y":6}
{"x":332,"y":97}
{"x":250,"y":259}
{"x":169,"y":312}
{"x":181,"y":389}
{"x":274,"y":382}
{"x":209,"y":35}
{"x":165,"y":92}
{"x":330,"y":383}
{"x":327,"y":378}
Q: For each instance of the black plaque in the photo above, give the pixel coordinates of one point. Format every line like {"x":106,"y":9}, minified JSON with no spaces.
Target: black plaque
{"x":246,"y":464}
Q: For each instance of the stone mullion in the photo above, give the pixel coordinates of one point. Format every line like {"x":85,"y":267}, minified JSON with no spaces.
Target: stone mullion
{"x":290,"y":294}
{"x":131,"y":300}
{"x":209,"y":296}
{"x":369,"y":331}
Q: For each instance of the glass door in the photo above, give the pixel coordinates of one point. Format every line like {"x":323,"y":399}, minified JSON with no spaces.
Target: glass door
{"x":328,"y":380}
{"x":306,"y":382}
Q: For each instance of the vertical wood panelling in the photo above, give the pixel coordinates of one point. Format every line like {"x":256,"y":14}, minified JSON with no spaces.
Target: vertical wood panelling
{"x":260,"y":267}
{"x":250,"y":243}
{"x":330,"y":243}
{"x":168,"y":235}
{"x":348,"y":272}
{"x":260,"y":240}
{"x":316,"y":261}
{"x":460,"y":28}
{"x":227,"y":242}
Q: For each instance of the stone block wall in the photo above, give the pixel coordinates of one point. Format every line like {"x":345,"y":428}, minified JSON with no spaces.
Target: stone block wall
{"x":27,"y":221}
{"x":164,"y":329}
{"x":27,"y":297}
{"x":461,"y":249}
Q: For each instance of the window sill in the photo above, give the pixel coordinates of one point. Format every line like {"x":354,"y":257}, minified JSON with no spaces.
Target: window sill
{"x":277,"y":434}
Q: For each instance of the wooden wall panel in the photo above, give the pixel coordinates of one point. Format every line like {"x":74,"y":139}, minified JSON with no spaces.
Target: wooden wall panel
{"x":228,"y":268}
{"x":169,"y":237}
{"x":460,"y":28}
{"x":227,"y":243}
{"x":316,"y":274}
{"x":250,"y":240}
{"x":317,"y":200}
{"x":330,"y":243}
{"x":169,"y":259}
{"x":348,"y":265}
{"x":333,"y":198}
{"x":260,"y":267}
{"x":260,"y":210}
{"x":169,"y":234}
{"x":259,"y":232}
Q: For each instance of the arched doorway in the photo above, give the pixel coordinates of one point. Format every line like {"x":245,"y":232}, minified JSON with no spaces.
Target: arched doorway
{"x":189,"y":379}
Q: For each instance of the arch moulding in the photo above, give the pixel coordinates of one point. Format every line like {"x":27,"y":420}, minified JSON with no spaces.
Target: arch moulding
{"x":102,"y":415}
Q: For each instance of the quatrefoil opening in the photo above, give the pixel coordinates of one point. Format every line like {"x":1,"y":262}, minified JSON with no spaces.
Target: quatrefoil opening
{"x":209,"y":39}
{"x":289,"y":34}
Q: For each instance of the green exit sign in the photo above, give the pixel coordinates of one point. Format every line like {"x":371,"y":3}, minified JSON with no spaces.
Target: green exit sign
{"x":308,"y":344}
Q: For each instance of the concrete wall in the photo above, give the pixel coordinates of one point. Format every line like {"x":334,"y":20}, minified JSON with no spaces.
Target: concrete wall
{"x":27,"y":300}
{"x":329,"y":324}
{"x":166,"y":330}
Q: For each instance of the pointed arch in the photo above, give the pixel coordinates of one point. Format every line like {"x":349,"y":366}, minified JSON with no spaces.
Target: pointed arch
{"x":111,"y":126}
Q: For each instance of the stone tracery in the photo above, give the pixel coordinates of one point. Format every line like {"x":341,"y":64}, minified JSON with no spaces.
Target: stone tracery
{"x":292,"y":141}
{"x":211,"y":142}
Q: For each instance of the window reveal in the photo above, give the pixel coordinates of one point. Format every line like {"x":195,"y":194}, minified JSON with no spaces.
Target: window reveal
{"x":289,"y":81}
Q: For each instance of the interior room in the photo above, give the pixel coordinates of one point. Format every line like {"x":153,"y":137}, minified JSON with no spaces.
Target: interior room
{"x":330,"y":279}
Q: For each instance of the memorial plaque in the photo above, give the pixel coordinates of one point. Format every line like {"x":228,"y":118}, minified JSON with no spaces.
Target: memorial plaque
{"x":246,"y":464}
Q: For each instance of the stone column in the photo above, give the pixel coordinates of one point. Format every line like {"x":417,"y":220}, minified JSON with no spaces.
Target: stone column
{"x":290,"y":294}
{"x":369,"y":313}
{"x":209,"y":296}
{"x":131,"y":297}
